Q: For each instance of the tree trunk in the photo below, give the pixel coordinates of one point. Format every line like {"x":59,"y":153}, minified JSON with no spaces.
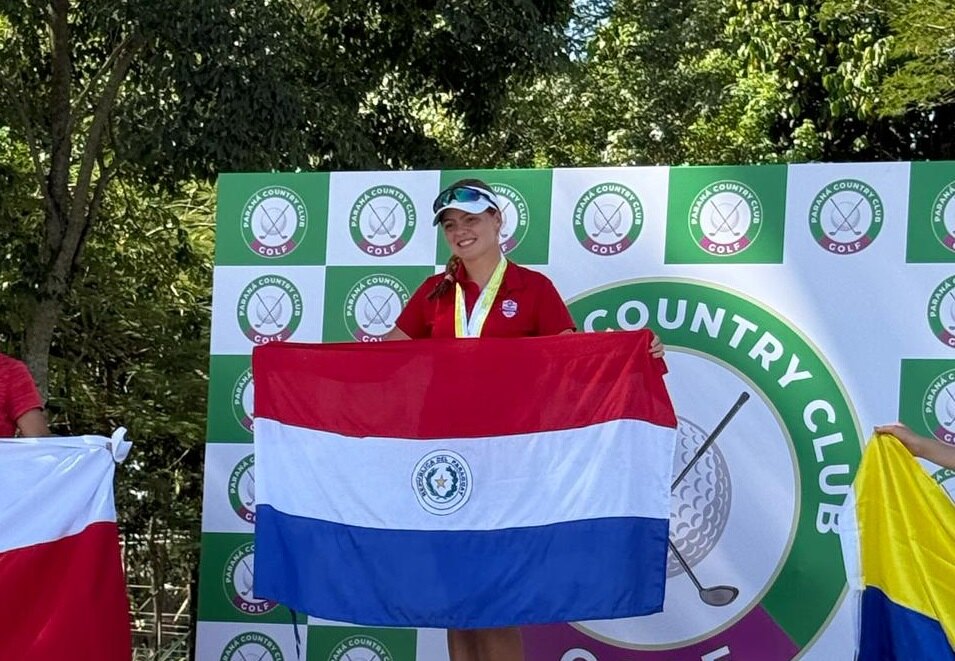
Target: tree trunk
{"x":39,"y":337}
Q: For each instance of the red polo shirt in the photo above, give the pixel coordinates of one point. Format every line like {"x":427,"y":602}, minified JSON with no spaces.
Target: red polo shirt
{"x":18,"y":394}
{"x":527,"y":304}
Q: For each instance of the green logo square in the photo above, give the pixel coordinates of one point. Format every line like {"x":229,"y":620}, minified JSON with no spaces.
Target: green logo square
{"x":327,"y":643}
{"x":362,"y":303}
{"x":278,"y":218}
{"x":225,"y":582}
{"x":230,"y":399}
{"x":927,"y":397}
{"x":732,"y":214}
{"x":525,"y":197}
{"x":931,"y":235}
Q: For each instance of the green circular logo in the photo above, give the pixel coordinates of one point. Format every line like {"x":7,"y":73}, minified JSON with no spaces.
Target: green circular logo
{"x":237,"y":577}
{"x":274,"y":221}
{"x":360,"y":647}
{"x":243,"y":397}
{"x":608,"y":218}
{"x":242,"y":489}
{"x":515,"y":213}
{"x":846,"y":216}
{"x":725,"y":218}
{"x":382,"y":220}
{"x":252,"y":645}
{"x":938,"y":407}
{"x":372,"y":306}
{"x":269,"y":309}
{"x":941,"y":312}
{"x":943,"y":216}
{"x":779,"y":472}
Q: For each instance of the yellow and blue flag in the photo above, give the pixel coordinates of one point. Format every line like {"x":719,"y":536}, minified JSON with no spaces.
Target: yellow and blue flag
{"x":898,"y":539}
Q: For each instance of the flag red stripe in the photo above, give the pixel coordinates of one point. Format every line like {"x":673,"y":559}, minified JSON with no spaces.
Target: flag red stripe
{"x":486,"y":387}
{"x":65,"y":599}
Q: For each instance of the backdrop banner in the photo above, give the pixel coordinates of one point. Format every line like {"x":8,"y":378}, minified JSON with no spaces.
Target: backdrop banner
{"x":809,"y":302}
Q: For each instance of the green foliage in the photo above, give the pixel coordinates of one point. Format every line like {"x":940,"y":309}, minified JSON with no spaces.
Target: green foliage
{"x":922,"y":55}
{"x":736,"y":81}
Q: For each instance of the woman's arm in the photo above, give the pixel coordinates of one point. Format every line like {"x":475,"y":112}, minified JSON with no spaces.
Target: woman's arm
{"x":920,"y":446}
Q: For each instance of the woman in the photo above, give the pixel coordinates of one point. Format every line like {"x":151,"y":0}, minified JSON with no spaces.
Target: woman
{"x":479,"y":294}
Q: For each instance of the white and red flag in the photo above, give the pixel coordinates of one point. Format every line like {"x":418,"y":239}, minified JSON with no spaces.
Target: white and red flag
{"x":61,"y":572}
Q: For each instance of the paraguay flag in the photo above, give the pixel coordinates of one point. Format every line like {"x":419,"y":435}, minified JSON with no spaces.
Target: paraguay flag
{"x":898,"y":542}
{"x":61,"y":574}
{"x":461,"y":484}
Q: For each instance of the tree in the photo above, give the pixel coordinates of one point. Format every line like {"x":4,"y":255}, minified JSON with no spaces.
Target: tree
{"x":741,"y":81}
{"x":160,"y":91}
{"x":922,"y":57}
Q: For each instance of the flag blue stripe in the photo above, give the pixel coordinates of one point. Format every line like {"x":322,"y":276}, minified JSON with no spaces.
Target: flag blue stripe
{"x":577,"y":570}
{"x":890,"y":631}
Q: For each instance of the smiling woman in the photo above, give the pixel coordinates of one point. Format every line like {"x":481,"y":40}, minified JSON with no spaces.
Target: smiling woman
{"x":480,"y":293}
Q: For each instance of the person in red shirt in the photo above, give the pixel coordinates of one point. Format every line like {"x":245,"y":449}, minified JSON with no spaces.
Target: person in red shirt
{"x":20,"y":405}
{"x":482,"y":294}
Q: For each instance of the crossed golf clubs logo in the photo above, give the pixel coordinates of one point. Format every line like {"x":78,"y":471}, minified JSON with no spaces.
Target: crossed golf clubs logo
{"x":360,"y":654}
{"x":268,"y":310}
{"x":382,"y":225}
{"x":253,"y":653}
{"x":244,"y":578}
{"x":718,"y":595}
{"x":950,"y":312}
{"x":377,"y":314}
{"x":845,"y":222}
{"x":949,"y":408}
{"x":509,"y":224}
{"x":722,"y":223}
{"x":270,"y":225}
{"x":607,"y":224}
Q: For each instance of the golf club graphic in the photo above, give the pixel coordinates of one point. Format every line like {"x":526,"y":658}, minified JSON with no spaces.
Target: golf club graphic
{"x":250,"y":489}
{"x":268,"y":313}
{"x":951,"y":312}
{"x":718,"y":595}
{"x":611,"y":223}
{"x":274,"y":226}
{"x":949,"y":407}
{"x":377,"y":314}
{"x":381,"y":225}
{"x":849,"y":222}
{"x":371,"y":656}
{"x":505,"y":234}
{"x":252,"y":658}
{"x":246,"y":579}
{"x":727,"y":222}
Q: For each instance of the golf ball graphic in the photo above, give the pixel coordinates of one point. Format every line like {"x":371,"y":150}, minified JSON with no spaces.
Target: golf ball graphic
{"x":700,"y":505}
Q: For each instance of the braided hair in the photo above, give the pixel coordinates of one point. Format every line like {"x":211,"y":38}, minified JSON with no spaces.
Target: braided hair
{"x":450,"y":277}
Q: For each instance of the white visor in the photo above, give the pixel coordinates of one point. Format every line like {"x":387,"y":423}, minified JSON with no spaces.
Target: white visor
{"x":477,"y":206}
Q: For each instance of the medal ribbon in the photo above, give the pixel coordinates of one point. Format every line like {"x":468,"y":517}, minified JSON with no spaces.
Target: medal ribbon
{"x":470,"y":326}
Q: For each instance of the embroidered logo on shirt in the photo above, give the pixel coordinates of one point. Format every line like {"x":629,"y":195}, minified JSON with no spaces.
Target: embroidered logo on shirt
{"x":509,"y":308}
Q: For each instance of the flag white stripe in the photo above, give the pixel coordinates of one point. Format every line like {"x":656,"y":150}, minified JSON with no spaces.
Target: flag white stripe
{"x":79,"y":472}
{"x":540,"y":478}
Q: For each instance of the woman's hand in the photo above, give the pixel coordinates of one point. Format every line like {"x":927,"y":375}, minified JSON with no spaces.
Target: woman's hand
{"x":914,"y":443}
{"x":656,"y":347}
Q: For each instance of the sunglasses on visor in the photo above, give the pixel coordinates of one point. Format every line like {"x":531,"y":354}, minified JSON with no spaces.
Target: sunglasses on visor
{"x":460,"y":194}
